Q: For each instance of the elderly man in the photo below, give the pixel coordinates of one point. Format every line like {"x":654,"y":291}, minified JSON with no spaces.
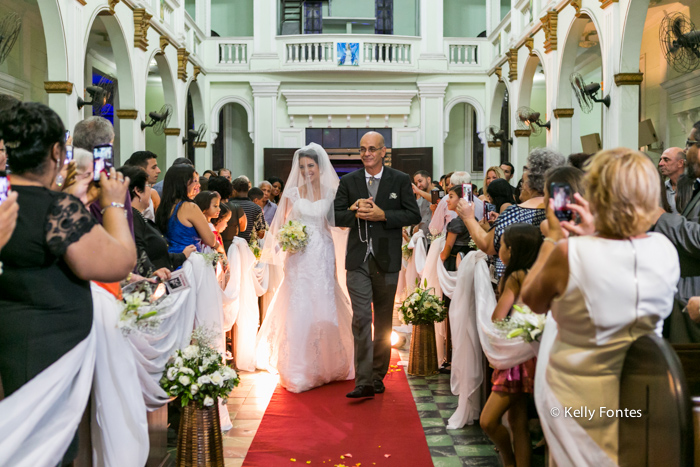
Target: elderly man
{"x":672,"y":165}
{"x":684,"y":233}
{"x":442,"y":216}
{"x":269,"y":208}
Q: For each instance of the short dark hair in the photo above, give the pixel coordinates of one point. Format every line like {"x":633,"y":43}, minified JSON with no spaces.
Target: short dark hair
{"x":697,"y":126}
{"x":137,"y":178}
{"x":422,"y":173}
{"x":140,"y":158}
{"x":221,"y":185}
{"x":512,"y":169}
{"x":7,"y":102}
{"x":579,"y":159}
{"x":30,"y":131}
{"x":209,"y":171}
{"x":204,"y":198}
{"x":222,"y":169}
{"x":183,"y":160}
{"x":255,"y":194}
{"x":91,"y":132}
{"x":240,"y":184}
{"x":203,"y":183}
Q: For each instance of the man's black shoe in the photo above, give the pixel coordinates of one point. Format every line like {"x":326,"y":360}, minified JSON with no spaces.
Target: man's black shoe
{"x":378,"y":386}
{"x":361,"y":391}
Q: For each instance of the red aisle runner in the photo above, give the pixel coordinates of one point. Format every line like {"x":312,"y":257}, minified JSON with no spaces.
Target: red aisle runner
{"x":322,"y":424}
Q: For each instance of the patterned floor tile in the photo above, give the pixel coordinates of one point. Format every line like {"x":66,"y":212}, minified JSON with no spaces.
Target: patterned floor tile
{"x":442,"y":451}
{"x":447,"y":462}
{"x":476,"y":450}
{"x":439,"y":440}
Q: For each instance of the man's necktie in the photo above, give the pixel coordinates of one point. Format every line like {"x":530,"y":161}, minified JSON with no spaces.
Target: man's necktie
{"x":372,"y":187}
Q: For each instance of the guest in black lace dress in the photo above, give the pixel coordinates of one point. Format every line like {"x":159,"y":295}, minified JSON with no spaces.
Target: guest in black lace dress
{"x":55,"y":250}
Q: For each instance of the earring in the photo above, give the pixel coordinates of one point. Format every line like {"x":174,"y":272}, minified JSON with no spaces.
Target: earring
{"x":59,"y":177}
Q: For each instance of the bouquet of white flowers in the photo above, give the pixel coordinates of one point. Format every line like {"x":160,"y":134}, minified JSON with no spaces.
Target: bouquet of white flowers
{"x":422,"y":306}
{"x":213,"y":258}
{"x":140,"y":306}
{"x":197,"y":373}
{"x":406,"y":252}
{"x":292,"y":237}
{"x":522,"y":323}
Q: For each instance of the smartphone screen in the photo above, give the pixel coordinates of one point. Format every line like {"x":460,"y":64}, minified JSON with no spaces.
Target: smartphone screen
{"x":69,"y":154}
{"x":561,"y":194}
{"x":102,"y":160}
{"x":67,"y":135}
{"x":4,"y":187}
{"x":435,"y":196}
{"x":467,"y":192}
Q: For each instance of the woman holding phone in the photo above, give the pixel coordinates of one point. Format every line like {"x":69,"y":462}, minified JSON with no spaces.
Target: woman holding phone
{"x":45,"y":298}
{"x":178,"y":217}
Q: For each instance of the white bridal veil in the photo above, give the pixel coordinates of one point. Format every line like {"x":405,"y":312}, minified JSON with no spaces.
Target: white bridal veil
{"x":304,"y":182}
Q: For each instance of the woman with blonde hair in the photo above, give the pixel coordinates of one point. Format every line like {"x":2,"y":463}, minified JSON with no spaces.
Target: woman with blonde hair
{"x":492,"y":173}
{"x":607,"y":287}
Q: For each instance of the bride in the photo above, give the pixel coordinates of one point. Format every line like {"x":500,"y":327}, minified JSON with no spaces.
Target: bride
{"x":306,"y":336}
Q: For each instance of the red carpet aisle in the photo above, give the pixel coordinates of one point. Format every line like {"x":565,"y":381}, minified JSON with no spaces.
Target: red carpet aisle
{"x":319,"y":426}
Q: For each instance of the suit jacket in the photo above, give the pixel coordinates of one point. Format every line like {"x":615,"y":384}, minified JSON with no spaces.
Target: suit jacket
{"x":684,"y":232}
{"x":396,"y":198}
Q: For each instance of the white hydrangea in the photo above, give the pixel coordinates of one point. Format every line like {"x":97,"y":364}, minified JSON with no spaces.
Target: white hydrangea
{"x":190,"y":352}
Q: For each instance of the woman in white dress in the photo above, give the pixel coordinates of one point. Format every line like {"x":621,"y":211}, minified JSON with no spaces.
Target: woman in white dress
{"x":605,"y":290}
{"x":306,"y":336}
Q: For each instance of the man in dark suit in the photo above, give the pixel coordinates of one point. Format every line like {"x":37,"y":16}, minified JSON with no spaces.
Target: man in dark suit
{"x":376,"y":203}
{"x":684,"y":233}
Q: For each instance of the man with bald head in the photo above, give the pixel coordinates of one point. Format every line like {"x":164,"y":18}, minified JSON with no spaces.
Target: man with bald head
{"x":375,"y":202}
{"x":672,"y":165}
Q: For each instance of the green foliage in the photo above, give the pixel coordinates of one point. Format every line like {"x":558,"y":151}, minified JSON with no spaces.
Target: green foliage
{"x":422,"y":306}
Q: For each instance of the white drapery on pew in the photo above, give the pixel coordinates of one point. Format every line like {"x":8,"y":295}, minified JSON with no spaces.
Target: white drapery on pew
{"x":245,"y":285}
{"x":430,"y":275}
{"x":416,"y":264}
{"x":37,"y":422}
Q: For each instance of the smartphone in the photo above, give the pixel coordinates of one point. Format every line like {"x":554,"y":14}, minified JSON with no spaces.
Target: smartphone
{"x":102,"y":160}
{"x":467,"y":192}
{"x":69,"y":154}
{"x":67,"y":135}
{"x":434,"y":196}
{"x":4,"y":187}
{"x":488,"y":207}
{"x":561,"y":194}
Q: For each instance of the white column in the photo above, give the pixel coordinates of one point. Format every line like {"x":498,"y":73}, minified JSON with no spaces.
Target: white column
{"x":265,"y":115}
{"x":432,"y":103}
{"x":616,"y":126}
{"x":432,"y":35}
{"x":264,"y":54}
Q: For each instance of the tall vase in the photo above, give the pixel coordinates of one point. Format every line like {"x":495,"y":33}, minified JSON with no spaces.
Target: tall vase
{"x":199,"y":440}
{"x":422,"y":359}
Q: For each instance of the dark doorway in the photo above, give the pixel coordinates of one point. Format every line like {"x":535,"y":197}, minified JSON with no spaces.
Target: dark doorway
{"x":411,"y":160}
{"x":189,"y":125}
{"x":505,"y":126}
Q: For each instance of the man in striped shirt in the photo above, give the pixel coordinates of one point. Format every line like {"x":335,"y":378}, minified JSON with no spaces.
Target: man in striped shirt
{"x":256,"y":220}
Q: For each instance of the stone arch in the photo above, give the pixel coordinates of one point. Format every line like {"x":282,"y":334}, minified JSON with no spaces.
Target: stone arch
{"x":498,"y":94}
{"x":632,"y":33}
{"x":56,"y":49}
{"x":231,"y":100}
{"x":122,"y":55}
{"x":169,"y":84}
{"x":197,"y":101}
{"x":568,"y":57}
{"x":480,"y":122}
{"x":528,"y":74}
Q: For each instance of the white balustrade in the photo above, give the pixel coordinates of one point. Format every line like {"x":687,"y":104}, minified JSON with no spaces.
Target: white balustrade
{"x":309,"y":52}
{"x":464,"y":54}
{"x":386,"y":53}
{"x":233,"y":53}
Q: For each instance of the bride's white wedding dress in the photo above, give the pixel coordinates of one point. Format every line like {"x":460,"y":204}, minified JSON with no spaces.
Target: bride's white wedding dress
{"x":307,"y":333}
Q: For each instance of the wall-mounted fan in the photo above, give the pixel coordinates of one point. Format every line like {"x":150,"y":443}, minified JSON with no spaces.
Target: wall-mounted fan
{"x":586,"y":94}
{"x":159,"y":120}
{"x":495,"y":134}
{"x":195,"y":136}
{"x":10,"y":27}
{"x":100,"y":95}
{"x":680,"y":42}
{"x":528,"y":119}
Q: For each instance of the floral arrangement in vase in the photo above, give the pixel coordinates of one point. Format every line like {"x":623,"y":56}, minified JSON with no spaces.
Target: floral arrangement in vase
{"x":522,"y":323}
{"x":198,"y":374}
{"x":292,"y":237}
{"x":422,"y":306}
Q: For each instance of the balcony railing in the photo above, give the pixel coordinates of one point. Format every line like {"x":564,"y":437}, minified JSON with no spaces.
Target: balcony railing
{"x":234,"y":51}
{"x":466,"y":52}
{"x":371,"y":50}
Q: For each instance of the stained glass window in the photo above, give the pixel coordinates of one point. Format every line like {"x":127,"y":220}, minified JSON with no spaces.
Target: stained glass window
{"x":385,"y":17}
{"x":313,"y":18}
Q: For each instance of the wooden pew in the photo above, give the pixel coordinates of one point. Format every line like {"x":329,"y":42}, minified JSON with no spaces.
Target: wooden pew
{"x":653,"y":383}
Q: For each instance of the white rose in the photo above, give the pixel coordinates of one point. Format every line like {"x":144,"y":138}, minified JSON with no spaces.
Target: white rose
{"x":172,"y":372}
{"x":217,"y":379}
{"x":187,"y":371}
{"x":191,"y":351}
{"x":208,"y":401}
{"x":229,"y":373}
{"x":179,"y":361}
{"x":184,"y":380}
{"x":194,"y":389}
{"x":203,"y":380}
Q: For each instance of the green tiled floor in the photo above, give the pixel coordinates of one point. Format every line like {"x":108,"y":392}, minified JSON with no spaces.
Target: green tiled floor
{"x":468,"y":446}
